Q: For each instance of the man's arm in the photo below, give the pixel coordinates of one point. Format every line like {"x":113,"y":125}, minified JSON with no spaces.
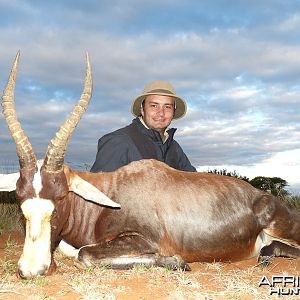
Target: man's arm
{"x":184,"y":163}
{"x":112,"y":153}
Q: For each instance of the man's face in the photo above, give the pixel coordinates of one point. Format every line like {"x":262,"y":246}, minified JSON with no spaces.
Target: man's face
{"x":158,"y":111}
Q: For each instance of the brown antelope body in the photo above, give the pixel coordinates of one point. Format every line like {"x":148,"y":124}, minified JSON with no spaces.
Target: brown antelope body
{"x":144,"y":213}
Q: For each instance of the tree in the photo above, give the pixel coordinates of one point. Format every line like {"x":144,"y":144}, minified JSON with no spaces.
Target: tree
{"x":228,"y":173}
{"x":274,"y":185}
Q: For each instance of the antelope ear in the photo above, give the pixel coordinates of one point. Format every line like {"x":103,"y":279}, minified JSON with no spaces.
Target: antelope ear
{"x":90,"y":192}
{"x":8,"y":182}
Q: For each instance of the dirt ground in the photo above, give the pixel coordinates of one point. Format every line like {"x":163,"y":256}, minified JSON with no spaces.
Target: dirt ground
{"x":205,"y":281}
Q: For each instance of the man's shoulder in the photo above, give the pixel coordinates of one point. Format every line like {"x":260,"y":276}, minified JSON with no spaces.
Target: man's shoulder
{"x":173,"y":144}
{"x":126,"y":130}
{"x":118,"y":132}
{"x":120,"y":135}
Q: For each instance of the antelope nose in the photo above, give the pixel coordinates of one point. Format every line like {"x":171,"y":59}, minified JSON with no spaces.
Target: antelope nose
{"x":27,"y":275}
{"x":21,"y":274}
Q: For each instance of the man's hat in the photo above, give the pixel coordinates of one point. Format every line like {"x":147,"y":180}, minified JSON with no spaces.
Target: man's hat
{"x":159,"y":87}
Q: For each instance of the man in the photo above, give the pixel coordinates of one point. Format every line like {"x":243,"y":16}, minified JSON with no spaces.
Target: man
{"x":147,"y":136}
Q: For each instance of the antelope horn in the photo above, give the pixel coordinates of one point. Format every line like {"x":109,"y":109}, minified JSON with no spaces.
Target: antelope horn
{"x":54,"y":158}
{"x":25,"y":152}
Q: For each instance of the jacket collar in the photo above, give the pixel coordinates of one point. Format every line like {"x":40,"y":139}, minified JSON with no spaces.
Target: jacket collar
{"x":168,"y":134}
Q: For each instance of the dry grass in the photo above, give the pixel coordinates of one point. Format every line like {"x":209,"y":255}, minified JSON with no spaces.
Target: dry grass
{"x":293,"y":201}
{"x":208,"y":281}
{"x":10,"y":217}
{"x":10,"y":213}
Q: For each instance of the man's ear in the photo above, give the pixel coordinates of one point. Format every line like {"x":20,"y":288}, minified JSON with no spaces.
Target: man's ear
{"x":142,"y":112}
{"x":142,"y":108}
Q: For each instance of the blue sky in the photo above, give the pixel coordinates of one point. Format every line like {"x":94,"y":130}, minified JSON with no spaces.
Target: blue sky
{"x":236,"y":63}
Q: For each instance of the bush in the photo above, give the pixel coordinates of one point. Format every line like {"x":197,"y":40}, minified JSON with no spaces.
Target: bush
{"x":293,"y":201}
{"x":10,"y":213}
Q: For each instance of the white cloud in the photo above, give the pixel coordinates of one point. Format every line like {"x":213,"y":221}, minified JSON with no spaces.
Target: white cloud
{"x":242,"y":92}
{"x":291,"y":23}
{"x":285,"y":165}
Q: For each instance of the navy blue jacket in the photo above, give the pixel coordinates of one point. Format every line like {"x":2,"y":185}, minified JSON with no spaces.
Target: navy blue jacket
{"x":136,"y":142}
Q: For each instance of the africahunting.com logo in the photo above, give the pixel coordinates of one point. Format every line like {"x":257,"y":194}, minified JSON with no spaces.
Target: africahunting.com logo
{"x":281,"y":285}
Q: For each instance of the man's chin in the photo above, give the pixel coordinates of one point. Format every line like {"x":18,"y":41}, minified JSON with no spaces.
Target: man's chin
{"x":159,"y":127}
{"x":160,"y":124}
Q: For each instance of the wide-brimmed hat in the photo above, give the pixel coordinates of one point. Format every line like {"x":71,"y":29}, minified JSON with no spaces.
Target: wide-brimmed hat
{"x":159,"y":87}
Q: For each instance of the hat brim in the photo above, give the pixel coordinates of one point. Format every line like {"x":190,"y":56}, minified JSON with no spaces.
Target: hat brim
{"x":180,"y":110}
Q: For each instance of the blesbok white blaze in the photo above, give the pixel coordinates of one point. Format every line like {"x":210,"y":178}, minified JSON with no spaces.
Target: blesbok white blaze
{"x":36,"y":256}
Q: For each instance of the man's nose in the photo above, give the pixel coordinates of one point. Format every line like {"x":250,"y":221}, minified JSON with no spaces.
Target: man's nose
{"x":161,"y":110}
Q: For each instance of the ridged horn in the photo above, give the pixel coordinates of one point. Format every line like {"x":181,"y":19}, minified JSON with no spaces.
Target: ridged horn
{"x":54,"y":158}
{"x":25,"y":151}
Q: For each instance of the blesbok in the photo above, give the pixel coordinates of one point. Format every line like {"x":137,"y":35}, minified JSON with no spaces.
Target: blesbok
{"x":144,"y":213}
